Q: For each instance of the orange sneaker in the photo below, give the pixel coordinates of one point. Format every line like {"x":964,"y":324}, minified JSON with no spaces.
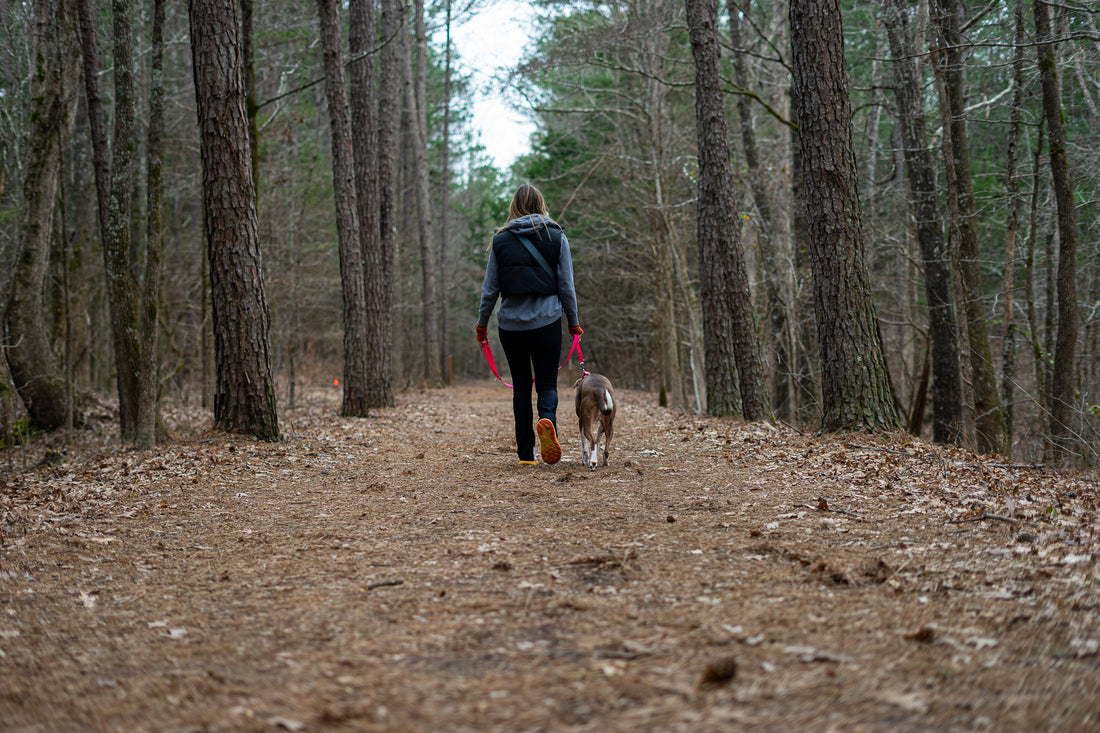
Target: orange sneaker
{"x":548,"y":441}
{"x":528,"y":463}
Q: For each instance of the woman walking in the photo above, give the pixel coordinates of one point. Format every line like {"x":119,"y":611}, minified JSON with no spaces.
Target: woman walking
{"x":531,"y":270}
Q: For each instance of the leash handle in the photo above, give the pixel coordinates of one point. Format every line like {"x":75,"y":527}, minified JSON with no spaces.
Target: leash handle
{"x":485,"y":349}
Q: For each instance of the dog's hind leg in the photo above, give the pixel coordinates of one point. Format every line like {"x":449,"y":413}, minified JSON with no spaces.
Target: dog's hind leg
{"x":600,"y":435}
{"x":584,"y":445}
{"x":607,"y":433}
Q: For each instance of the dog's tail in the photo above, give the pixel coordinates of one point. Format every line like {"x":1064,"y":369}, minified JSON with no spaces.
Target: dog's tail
{"x":606,"y":403}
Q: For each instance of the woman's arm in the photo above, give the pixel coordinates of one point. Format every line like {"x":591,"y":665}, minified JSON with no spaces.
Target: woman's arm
{"x":490,"y":291}
{"x":567,"y":293}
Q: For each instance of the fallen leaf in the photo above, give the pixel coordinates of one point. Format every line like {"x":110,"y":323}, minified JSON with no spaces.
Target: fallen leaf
{"x":718,"y":672}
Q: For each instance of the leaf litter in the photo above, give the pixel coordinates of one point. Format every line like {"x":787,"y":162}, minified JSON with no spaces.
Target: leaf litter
{"x":402,"y":572}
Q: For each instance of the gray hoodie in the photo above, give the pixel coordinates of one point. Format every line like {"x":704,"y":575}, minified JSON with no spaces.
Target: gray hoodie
{"x":527,"y":312}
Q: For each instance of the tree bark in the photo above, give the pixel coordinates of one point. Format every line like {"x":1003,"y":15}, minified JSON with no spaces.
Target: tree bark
{"x":133,"y":307}
{"x":445,"y":204}
{"x":244,"y":394}
{"x":776,"y":265}
{"x":1012,"y":227}
{"x":946,"y":378}
{"x":252,"y":106}
{"x":854,"y":383}
{"x":101,"y":151}
{"x":428,"y":266}
{"x":1064,"y":383}
{"x":367,"y":149}
{"x":389,"y":118}
{"x":122,"y":288}
{"x":352,"y":271}
{"x":988,"y":413}
{"x":34,"y":368}
{"x":148,"y":412}
{"x":727,"y":305}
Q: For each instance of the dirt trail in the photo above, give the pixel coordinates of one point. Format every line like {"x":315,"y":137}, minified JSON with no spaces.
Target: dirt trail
{"x":403,"y":573}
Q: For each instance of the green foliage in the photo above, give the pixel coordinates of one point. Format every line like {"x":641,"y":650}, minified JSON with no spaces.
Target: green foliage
{"x":21,"y":433}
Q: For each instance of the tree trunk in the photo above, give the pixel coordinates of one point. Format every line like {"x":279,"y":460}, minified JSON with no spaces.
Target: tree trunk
{"x":101,"y":152}
{"x":53,"y":97}
{"x":445,"y":203}
{"x":244,"y":395}
{"x":854,"y":384}
{"x":367,"y":150}
{"x":724,"y":284}
{"x":252,"y":106}
{"x":774,"y":264}
{"x":1015,"y":204}
{"x":946,"y":378}
{"x":389,"y":118}
{"x":122,"y":289}
{"x":148,"y":376}
{"x":1038,"y":355}
{"x":1064,"y":383}
{"x":419,"y":105}
{"x":988,"y":414}
{"x":352,"y":271}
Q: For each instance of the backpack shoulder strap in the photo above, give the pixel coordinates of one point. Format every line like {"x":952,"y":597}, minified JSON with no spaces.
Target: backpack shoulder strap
{"x":536,"y":254}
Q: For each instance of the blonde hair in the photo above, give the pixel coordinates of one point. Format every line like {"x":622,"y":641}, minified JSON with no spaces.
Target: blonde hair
{"x":528,"y":200}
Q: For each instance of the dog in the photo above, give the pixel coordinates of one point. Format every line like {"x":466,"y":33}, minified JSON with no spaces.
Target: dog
{"x":595,"y":402}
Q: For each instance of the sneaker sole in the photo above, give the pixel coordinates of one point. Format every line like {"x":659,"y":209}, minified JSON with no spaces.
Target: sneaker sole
{"x":548,"y":441}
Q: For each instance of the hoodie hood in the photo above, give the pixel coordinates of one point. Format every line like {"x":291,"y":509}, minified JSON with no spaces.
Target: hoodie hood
{"x":529,"y":224}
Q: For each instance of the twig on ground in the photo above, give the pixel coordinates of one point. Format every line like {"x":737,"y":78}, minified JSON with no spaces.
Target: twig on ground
{"x":980,"y":517}
{"x":384,"y":583}
{"x":1034,"y":466}
{"x":792,"y":427}
{"x":884,"y":450}
{"x":823,"y":506}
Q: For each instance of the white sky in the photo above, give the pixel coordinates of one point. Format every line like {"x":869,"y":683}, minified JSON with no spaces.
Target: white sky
{"x":488,"y":44}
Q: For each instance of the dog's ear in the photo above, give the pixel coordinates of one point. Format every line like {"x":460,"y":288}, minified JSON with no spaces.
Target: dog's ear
{"x":578,"y":382}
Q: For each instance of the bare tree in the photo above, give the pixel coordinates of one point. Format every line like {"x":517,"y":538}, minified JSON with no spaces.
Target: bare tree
{"x":445,"y":201}
{"x":54,"y":81}
{"x":1012,"y":227}
{"x":149,"y":375}
{"x":728,"y":327}
{"x":380,"y":289}
{"x":418,"y":103}
{"x":133,"y":304}
{"x":946,"y":378}
{"x":364,"y":98}
{"x":244,"y":395}
{"x":248,"y":57}
{"x":776,"y":263}
{"x":1064,"y":379}
{"x":988,"y":414}
{"x":854,"y":384}
{"x":352,"y":271}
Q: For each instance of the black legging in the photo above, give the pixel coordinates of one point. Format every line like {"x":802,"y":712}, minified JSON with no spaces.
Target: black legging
{"x":539,"y":348}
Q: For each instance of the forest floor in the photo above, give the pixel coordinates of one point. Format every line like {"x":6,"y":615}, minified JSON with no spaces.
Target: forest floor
{"x":403,"y":573}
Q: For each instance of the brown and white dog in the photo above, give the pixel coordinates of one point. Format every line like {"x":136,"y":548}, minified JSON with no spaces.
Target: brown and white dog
{"x":595,"y":403}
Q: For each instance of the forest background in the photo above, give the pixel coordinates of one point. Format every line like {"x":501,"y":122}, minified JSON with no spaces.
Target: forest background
{"x":610,"y":88}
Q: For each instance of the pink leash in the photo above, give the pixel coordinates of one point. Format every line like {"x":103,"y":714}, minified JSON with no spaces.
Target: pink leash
{"x":493,"y":365}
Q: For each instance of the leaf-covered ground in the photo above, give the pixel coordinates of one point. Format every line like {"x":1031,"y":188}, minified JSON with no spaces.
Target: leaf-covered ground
{"x":403,"y":573}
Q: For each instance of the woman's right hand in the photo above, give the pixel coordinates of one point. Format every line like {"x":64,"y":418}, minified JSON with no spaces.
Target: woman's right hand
{"x":482,"y":333}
